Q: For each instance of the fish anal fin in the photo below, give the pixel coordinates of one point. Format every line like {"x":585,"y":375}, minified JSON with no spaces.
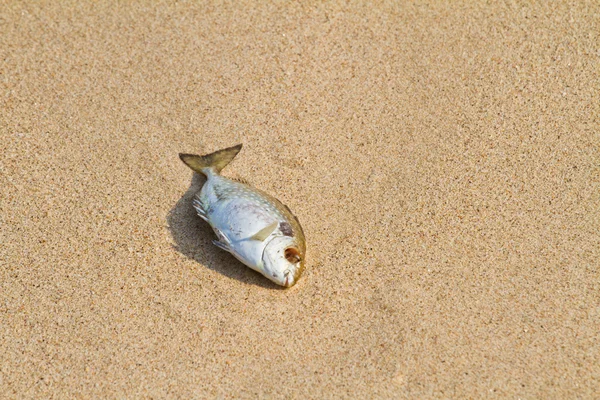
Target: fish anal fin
{"x":199,"y":209}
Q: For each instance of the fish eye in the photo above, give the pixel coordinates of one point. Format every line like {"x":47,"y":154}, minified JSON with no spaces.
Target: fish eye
{"x":292,"y":255}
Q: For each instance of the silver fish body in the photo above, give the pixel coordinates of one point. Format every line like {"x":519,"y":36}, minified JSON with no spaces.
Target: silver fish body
{"x":253,"y":226}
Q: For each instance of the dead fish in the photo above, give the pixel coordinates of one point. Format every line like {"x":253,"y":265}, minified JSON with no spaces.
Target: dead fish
{"x":253,"y":226}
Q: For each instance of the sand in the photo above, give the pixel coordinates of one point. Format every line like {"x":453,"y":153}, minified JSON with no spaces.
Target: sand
{"x":443,"y":159}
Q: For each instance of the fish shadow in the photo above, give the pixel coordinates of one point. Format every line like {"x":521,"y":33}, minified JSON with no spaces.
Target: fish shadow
{"x":193,"y":238}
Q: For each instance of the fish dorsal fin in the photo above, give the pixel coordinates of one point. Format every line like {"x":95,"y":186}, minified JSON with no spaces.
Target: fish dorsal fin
{"x":264,"y":232}
{"x":240,"y":180}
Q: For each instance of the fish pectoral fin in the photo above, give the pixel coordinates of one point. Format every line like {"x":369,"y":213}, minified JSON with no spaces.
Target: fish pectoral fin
{"x":222,"y":246}
{"x":264,"y":232}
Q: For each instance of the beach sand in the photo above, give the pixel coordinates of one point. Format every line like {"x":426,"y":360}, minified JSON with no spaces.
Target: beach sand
{"x":443,"y":159}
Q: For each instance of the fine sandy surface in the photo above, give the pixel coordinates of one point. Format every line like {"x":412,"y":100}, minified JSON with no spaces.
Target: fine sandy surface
{"x":444,"y":161}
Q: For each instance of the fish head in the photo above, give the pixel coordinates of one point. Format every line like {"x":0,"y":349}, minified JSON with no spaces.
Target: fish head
{"x":283,"y":260}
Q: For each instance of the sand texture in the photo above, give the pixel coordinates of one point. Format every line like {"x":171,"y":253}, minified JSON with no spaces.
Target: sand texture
{"x":443,"y":159}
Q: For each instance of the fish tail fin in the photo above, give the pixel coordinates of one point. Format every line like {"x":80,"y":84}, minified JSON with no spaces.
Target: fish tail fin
{"x":214,"y":161}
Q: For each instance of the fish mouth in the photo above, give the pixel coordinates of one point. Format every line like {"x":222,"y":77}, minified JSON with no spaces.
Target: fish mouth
{"x":276,"y":266}
{"x":288,"y":274}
